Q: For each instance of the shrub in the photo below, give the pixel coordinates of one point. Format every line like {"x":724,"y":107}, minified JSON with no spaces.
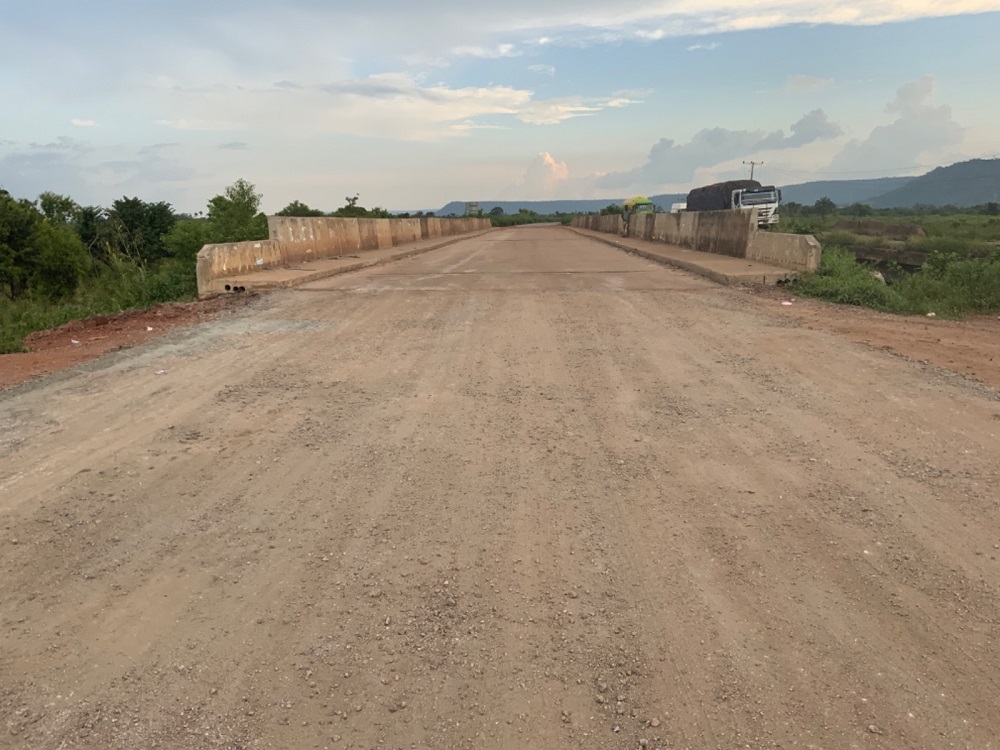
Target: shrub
{"x":949,"y":286}
{"x":842,"y":279}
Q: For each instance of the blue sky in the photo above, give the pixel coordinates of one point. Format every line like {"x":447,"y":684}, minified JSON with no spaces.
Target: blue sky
{"x":412,"y":108}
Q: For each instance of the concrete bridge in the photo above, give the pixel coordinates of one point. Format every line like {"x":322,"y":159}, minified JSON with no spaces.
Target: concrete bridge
{"x":524,"y":490}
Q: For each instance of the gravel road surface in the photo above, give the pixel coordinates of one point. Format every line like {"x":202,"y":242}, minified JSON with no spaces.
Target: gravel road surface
{"x":525,"y":491}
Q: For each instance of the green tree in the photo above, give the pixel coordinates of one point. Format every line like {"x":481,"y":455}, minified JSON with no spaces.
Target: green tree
{"x":35,"y":254}
{"x":297,"y":208}
{"x":141,"y":227}
{"x":351,"y":209}
{"x":18,"y":220}
{"x":59,"y":209}
{"x":186,"y":238}
{"x":93,"y":228}
{"x":612,"y":209}
{"x":235,"y":215}
{"x":824,"y":207}
{"x":60,"y":260}
{"x":496,"y":211}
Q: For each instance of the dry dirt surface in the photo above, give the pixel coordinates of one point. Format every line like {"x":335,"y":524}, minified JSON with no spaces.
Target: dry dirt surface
{"x":970,"y":347}
{"x":521,"y":492}
{"x":83,"y":340}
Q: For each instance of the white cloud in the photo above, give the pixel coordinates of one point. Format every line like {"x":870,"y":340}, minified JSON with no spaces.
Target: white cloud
{"x":549,"y":70}
{"x":489,"y":53}
{"x":80,"y":123}
{"x":673,"y":163}
{"x":813,"y":126}
{"x":707,"y":47}
{"x":390,"y":105}
{"x":544,"y":177}
{"x":920,"y":132}
{"x":800,"y":84}
{"x":184,"y":123}
{"x":597,"y":20}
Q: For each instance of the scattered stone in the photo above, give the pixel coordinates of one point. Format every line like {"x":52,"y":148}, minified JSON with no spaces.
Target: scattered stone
{"x":874,"y":729}
{"x":654,"y":723}
{"x":616,"y":729}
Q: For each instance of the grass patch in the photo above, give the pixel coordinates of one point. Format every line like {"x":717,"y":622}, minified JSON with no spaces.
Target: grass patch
{"x":121,"y":286}
{"x":841,"y":238}
{"x":949,"y":285}
{"x":961,"y":227}
{"x":842,"y":279}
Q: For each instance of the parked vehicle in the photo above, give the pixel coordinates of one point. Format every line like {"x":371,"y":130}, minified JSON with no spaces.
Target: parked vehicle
{"x":640,"y":204}
{"x":738,"y":195}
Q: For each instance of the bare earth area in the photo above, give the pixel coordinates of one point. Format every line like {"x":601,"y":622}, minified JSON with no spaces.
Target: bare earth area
{"x":524,"y":491}
{"x":83,"y":340}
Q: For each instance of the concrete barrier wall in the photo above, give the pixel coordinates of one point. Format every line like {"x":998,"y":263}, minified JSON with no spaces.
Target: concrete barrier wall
{"x":607,"y":224}
{"x":295,"y":240}
{"x":405,"y":231}
{"x":732,"y":233}
{"x":234,"y":258}
{"x":797,"y":252}
{"x":310,"y":238}
{"x":720,"y":232}
{"x":724,"y":232}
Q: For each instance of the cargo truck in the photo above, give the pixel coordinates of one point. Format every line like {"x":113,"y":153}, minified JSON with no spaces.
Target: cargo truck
{"x":638,"y":204}
{"x":738,"y":195}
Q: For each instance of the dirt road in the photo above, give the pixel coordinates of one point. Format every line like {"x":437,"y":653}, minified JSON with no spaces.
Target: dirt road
{"x":521,"y":492}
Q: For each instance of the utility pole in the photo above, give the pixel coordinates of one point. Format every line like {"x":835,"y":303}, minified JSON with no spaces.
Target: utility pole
{"x":752,"y":165}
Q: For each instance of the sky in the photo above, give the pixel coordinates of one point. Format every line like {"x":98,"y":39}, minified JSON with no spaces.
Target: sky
{"x":411,"y":105}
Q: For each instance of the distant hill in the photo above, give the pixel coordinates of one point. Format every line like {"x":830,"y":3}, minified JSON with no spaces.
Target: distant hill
{"x":968,"y":183}
{"x":842,"y":192}
{"x":539,"y":207}
{"x":552,"y":207}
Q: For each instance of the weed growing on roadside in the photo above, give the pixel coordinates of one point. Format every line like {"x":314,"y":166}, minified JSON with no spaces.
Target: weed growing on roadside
{"x":950,"y":284}
{"x":120,"y":285}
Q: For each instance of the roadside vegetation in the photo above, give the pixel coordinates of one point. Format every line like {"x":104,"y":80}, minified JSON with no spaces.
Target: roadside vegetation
{"x":948,"y":265}
{"x":524,"y":216}
{"x":60,"y":261}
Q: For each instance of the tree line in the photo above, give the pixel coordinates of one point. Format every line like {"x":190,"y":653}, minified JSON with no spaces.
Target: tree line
{"x":51,"y":246}
{"x":350,"y":209}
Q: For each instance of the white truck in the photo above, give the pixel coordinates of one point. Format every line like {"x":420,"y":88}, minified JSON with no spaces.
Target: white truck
{"x":739,"y":195}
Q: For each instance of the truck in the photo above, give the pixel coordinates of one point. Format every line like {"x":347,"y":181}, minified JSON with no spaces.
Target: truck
{"x":638,"y":204}
{"x":738,"y":195}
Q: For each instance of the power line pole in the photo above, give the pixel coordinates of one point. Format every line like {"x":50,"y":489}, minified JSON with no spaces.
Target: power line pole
{"x":752,"y":165}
